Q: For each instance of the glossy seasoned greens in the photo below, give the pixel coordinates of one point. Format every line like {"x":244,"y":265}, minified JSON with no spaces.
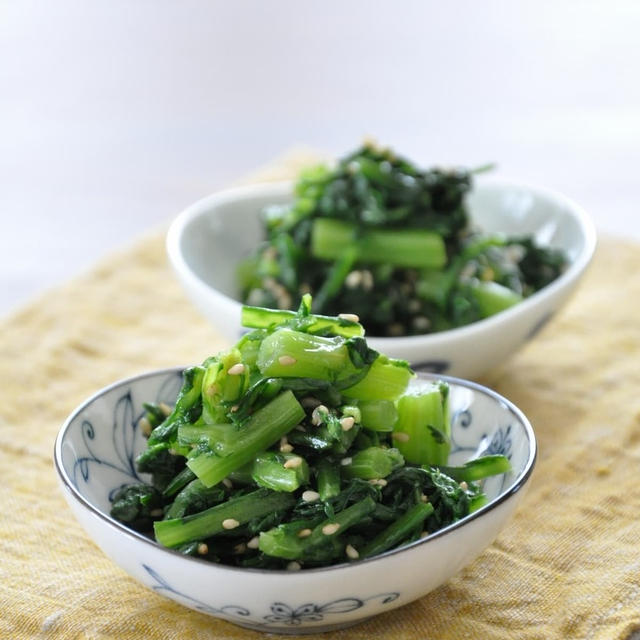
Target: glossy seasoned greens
{"x":394,"y":244}
{"x":300,"y":447}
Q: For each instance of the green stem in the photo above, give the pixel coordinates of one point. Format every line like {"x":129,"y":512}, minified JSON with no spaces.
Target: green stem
{"x":263,"y":429}
{"x":405,"y":526}
{"x":330,"y":238}
{"x":208,"y":523}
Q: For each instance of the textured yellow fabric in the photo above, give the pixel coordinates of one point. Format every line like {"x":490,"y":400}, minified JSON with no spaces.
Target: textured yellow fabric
{"x":567,"y":565}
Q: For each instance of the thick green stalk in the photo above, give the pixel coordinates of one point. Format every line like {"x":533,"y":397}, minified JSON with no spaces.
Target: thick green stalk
{"x":208,"y":523}
{"x":387,"y":379}
{"x":194,"y":497}
{"x":422,"y":432}
{"x":330,"y":238}
{"x":492,"y":297}
{"x":405,"y":526}
{"x":270,"y":470}
{"x":263,"y":429}
{"x":378,"y":415}
{"x":286,"y":354}
{"x":373,"y":462}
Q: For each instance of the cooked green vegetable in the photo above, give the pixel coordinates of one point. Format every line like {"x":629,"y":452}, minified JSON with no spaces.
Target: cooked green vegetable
{"x":392,"y":243}
{"x":300,"y":447}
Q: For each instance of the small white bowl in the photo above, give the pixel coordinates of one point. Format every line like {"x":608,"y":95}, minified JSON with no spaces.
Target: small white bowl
{"x":94,"y":456}
{"x":208,"y":239}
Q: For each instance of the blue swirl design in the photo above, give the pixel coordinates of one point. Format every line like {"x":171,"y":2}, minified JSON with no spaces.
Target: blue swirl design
{"x":501,"y":442}
{"x":461,"y":419}
{"x":124,"y":429}
{"x":281,"y":613}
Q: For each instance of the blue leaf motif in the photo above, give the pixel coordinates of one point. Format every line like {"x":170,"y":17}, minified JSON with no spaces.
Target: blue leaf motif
{"x":124,"y":431}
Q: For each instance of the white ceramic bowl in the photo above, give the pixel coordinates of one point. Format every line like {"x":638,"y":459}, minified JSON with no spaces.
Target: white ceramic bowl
{"x":94,"y":456}
{"x":207,"y":240}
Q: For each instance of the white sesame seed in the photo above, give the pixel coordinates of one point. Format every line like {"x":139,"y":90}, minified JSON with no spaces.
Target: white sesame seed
{"x":234,"y":408}
{"x":317,"y":417}
{"x":165,"y":408}
{"x":285,"y":360}
{"x":353,"y":279}
{"x":330,"y":529}
{"x":400,"y":436}
{"x":240,"y":548}
{"x":346,"y":461}
{"x":464,"y":486}
{"x":304,"y":533}
{"x":367,"y":280}
{"x":173,"y":452}
{"x":379,"y":482}
{"x":254,"y":543}
{"x":236,"y":370}
{"x":203,"y":549}
{"x":286,"y":448}
{"x":347,"y":423}
{"x":350,"y":317}
{"x":230,"y":523}
{"x":424,"y":534}
{"x":154,"y":513}
{"x":424,"y":498}
{"x":227,"y":483}
{"x":294,"y":566}
{"x":310,"y":496}
{"x":145,"y":426}
{"x":351,"y":552}
{"x":293,"y":463}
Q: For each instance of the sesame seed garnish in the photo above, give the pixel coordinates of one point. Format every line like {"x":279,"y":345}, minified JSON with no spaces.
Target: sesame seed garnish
{"x":350,"y":317}
{"x":145,"y":426}
{"x":400,"y":436}
{"x":230,"y":523}
{"x":424,"y":534}
{"x":379,"y":482}
{"x":203,"y":549}
{"x":165,"y":408}
{"x":330,"y":529}
{"x":254,"y":543}
{"x":173,"y":452}
{"x":347,"y":423}
{"x":240,"y":548}
{"x":367,"y":280}
{"x":234,"y":408}
{"x":316,"y":417}
{"x":285,"y":361}
{"x":227,"y":483}
{"x":351,"y":552}
{"x":464,"y":486}
{"x":293,"y":463}
{"x":286,"y":448}
{"x":294,"y":566}
{"x":236,"y":370}
{"x":353,"y":279}
{"x":154,"y":513}
{"x":304,"y":533}
{"x":346,"y":461}
{"x":310,"y":496}
{"x":424,"y":498}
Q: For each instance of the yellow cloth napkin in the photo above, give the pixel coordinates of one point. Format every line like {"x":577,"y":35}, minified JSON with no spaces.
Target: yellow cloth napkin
{"x":567,"y":565}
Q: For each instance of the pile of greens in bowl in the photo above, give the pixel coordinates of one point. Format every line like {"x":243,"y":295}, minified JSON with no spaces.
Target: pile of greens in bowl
{"x":300,"y":447}
{"x":393,"y":243}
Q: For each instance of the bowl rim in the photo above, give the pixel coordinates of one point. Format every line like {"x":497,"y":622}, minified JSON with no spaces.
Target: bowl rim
{"x":518,"y":483}
{"x":575,"y":269}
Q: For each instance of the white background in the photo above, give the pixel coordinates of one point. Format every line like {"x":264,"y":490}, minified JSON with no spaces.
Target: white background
{"x":114,"y":115}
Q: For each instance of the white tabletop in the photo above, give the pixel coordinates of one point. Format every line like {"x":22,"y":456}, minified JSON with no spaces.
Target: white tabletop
{"x":115,"y":115}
